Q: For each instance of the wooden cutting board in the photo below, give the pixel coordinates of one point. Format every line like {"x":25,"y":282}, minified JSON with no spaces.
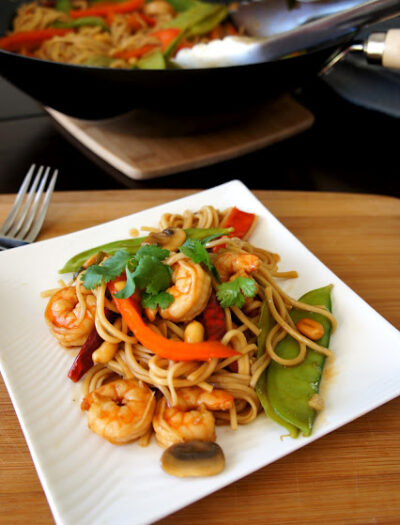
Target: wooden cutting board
{"x":351,"y":476}
{"x":143,"y":144}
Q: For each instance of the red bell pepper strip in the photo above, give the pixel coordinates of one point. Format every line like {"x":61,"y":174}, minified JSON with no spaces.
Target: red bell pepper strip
{"x":241,"y":222}
{"x":83,"y":361}
{"x":216,"y":33}
{"x":184,"y":44}
{"x":109,"y":18}
{"x":166,"y":36}
{"x":151,"y":22}
{"x":139,"y":20}
{"x":30,"y":39}
{"x":161,"y":346}
{"x":107,"y":9}
{"x":231,"y":29}
{"x":213,"y":319}
{"x":135,"y":23}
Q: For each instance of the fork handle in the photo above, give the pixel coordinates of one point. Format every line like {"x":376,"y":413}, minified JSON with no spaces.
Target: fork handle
{"x":7,"y":242}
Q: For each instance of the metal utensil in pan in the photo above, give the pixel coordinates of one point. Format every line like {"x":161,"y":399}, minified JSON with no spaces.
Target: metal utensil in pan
{"x":277,"y":33}
{"x":91,"y":92}
{"x":381,"y":48}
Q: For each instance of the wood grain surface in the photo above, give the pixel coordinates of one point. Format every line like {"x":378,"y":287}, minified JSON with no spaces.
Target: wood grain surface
{"x":351,"y":476}
{"x":143,"y":144}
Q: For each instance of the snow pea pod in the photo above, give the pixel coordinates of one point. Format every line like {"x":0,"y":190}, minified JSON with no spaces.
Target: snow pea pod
{"x":285,"y":391}
{"x":181,"y":5}
{"x":205,"y":26}
{"x":155,"y":60}
{"x":195,"y":14}
{"x":132,"y":246}
{"x":81,"y":22}
{"x":63,"y":5}
{"x":99,"y":61}
{"x":266,"y":323}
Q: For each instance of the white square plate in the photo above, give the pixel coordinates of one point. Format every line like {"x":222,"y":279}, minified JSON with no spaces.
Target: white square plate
{"x":86,"y":479}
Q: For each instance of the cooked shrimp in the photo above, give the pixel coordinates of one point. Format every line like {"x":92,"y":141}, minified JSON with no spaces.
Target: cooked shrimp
{"x":191,"y":291}
{"x":120,"y":411}
{"x":172,"y":425}
{"x":191,"y":397}
{"x":189,"y":419}
{"x":69,"y":320}
{"x":231,"y":264}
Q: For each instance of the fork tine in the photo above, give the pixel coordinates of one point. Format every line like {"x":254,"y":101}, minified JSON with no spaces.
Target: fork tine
{"x":42,"y":213}
{"x":21,"y":217}
{"x":18,"y":201}
{"x":32,"y":212}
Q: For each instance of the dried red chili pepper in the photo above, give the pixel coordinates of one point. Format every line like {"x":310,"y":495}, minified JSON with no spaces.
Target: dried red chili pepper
{"x":213,"y":319}
{"x":83,"y":361}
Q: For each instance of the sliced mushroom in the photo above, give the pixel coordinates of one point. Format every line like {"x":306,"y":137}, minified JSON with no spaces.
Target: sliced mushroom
{"x":170,"y":239}
{"x":193,"y":458}
{"x":158,"y":8}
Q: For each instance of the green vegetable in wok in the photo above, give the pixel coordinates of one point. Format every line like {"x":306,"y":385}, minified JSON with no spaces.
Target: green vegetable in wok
{"x":64,"y":5}
{"x":81,"y":22}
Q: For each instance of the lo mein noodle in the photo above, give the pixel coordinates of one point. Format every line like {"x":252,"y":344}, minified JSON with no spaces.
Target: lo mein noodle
{"x":117,"y":34}
{"x":180,"y":344}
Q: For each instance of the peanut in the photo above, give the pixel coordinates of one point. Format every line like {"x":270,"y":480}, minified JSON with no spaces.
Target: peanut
{"x":120,"y":285}
{"x":310,"y":328}
{"x":194,"y":332}
{"x":158,"y":8}
{"x":105,"y":352}
{"x":93,"y":259}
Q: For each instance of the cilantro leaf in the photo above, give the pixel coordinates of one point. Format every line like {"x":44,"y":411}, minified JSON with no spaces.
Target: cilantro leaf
{"x":143,"y":270}
{"x":93,"y":277}
{"x":151,"y":275}
{"x":109,"y":270}
{"x":233,"y":293}
{"x":196,"y":251}
{"x":130,"y":286}
{"x":162,"y":299}
{"x":153,"y":250}
{"x":248,"y":286}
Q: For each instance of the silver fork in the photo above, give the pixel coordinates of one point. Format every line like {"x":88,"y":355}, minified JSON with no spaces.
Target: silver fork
{"x":26,"y":217}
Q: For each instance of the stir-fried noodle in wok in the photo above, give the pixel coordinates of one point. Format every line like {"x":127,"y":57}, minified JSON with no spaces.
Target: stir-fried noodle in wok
{"x":178,"y":350}
{"x":118,"y":34}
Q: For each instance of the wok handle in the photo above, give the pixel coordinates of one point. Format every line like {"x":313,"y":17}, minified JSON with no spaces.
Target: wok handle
{"x":384,"y":48}
{"x":379,"y":48}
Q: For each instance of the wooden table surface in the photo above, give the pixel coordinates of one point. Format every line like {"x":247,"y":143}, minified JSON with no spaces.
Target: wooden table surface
{"x":349,"y":476}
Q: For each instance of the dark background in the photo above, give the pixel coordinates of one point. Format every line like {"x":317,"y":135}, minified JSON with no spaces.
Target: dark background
{"x":349,"y":148}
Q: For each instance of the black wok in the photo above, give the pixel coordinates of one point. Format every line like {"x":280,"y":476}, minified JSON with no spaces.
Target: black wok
{"x":95,"y":93}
